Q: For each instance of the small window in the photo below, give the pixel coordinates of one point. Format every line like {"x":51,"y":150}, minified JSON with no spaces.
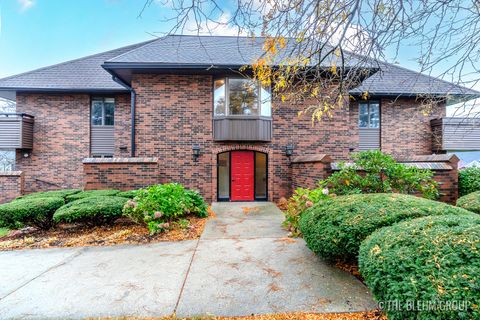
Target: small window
{"x":369,"y":115}
{"x":241,"y":96}
{"x":103,"y":112}
{"x":7,"y":160}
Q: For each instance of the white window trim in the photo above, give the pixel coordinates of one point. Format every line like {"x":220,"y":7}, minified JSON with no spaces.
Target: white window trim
{"x":103,"y":112}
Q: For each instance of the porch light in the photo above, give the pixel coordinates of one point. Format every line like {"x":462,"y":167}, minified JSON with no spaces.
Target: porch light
{"x":289,"y":150}
{"x":196,"y":152}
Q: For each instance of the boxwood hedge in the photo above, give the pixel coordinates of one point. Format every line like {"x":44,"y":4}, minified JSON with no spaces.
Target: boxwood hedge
{"x":32,"y":211}
{"x":471,"y":202}
{"x":91,"y":193}
{"x":430,"y":263}
{"x":335,"y":228}
{"x":128,"y":194}
{"x":55,"y":193}
{"x":468,"y":180}
{"x":91,"y":211}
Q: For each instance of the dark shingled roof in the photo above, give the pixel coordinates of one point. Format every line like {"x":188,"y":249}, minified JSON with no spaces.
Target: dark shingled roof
{"x":392,"y":80}
{"x":87,"y":74}
{"x":80,"y":74}
{"x":218,"y":51}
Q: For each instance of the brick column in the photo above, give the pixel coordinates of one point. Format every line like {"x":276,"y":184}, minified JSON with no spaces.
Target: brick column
{"x":307,"y":170}
{"x":11,"y":185}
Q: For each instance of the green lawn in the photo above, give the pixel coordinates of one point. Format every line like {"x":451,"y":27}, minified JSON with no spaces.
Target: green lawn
{"x":3,"y":231}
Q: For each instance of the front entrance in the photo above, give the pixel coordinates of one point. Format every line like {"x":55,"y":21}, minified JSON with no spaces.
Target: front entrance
{"x":242,"y":176}
{"x":242,"y":181}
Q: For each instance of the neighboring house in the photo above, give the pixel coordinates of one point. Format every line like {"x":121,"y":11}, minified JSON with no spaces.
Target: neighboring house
{"x":74,"y":126}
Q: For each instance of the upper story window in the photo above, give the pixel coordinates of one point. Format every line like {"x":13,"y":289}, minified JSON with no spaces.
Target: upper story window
{"x":103,"y":111}
{"x":369,"y":114}
{"x":241,"y":96}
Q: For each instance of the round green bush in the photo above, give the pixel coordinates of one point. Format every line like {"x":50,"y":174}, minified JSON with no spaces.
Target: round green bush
{"x":433,"y":259}
{"x":130,"y":194}
{"x":470,"y":202}
{"x":91,"y":193}
{"x":468,"y":180}
{"x":92,"y":210}
{"x":36,"y":212}
{"x":46,"y":194}
{"x":335,"y":228}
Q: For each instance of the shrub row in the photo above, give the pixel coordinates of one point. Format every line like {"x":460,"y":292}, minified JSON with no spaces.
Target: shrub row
{"x":334,"y":228}
{"x":30,"y":212}
{"x":91,"y":211}
{"x":470,"y":202}
{"x":38,"y":209}
{"x":429,"y":262}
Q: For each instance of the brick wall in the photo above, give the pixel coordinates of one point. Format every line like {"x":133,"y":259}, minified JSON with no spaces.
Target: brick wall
{"x":11,"y":185}
{"x":405,"y":129}
{"x":61,"y":138}
{"x":445,"y":169}
{"x":308,"y":170}
{"x":174,"y":112}
{"x":120,"y":173}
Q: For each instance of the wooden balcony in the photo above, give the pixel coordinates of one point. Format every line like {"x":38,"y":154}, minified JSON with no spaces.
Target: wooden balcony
{"x":456,"y":134}
{"x":242,"y":128}
{"x":16,"y":131}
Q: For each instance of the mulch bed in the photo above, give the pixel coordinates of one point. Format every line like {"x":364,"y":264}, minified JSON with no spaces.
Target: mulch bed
{"x":123,"y":231}
{"x":370,"y":315}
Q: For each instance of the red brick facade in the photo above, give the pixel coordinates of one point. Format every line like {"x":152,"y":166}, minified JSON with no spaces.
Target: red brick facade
{"x":174,"y":112}
{"x":120,"y":173}
{"x":11,"y":185}
{"x":308,"y":170}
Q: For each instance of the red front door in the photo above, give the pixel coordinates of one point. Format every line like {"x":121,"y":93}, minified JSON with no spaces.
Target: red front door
{"x":242,"y":176}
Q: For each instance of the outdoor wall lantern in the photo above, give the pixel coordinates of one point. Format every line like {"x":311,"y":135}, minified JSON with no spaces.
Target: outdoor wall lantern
{"x":196,"y":152}
{"x":289,"y":150}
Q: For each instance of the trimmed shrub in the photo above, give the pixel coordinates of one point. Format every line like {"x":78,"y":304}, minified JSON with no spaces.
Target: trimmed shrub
{"x":470,"y":202}
{"x":56,"y":194}
{"x":158,"y":205}
{"x":91,"y":210}
{"x":468,"y":180}
{"x":91,"y":193}
{"x":334,"y":228}
{"x":426,"y":260}
{"x":33,"y":211}
{"x":130,"y":194}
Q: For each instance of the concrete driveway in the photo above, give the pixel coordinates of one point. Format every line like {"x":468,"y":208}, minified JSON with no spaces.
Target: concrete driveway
{"x":243,"y":264}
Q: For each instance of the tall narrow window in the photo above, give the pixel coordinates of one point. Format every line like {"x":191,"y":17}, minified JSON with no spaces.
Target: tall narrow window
{"x":241,"y":96}
{"x":103,"y":111}
{"x":369,"y":115}
{"x":260,"y":176}
{"x":224,"y":175}
{"x":369,"y":125}
{"x":102,"y":135}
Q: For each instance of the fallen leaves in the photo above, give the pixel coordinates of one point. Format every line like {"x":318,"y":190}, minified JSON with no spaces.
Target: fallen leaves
{"x":122,"y":232}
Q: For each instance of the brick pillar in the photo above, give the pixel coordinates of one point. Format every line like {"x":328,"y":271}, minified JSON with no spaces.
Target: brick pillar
{"x":11,"y":185}
{"x":307,"y":170}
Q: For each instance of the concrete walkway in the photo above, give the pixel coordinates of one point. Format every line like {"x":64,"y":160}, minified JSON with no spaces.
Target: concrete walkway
{"x":243,"y":264}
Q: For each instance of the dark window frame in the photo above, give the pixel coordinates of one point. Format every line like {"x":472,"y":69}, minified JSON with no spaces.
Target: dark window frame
{"x":227,"y":97}
{"x":102,"y":99}
{"x":368,"y":103}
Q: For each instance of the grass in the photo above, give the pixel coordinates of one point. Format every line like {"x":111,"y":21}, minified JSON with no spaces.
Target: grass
{"x":3,"y":231}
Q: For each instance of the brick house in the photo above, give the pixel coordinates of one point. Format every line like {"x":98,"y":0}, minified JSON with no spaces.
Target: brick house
{"x":176,"y":109}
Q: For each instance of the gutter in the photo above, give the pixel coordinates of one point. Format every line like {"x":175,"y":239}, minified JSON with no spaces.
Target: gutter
{"x":133,"y":96}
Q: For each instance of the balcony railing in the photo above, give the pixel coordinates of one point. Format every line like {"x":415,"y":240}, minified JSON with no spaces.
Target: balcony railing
{"x":242,"y":128}
{"x":16,"y":131}
{"x":459,"y":134}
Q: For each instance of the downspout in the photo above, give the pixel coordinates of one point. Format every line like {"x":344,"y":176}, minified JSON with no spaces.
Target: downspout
{"x":133,"y":96}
